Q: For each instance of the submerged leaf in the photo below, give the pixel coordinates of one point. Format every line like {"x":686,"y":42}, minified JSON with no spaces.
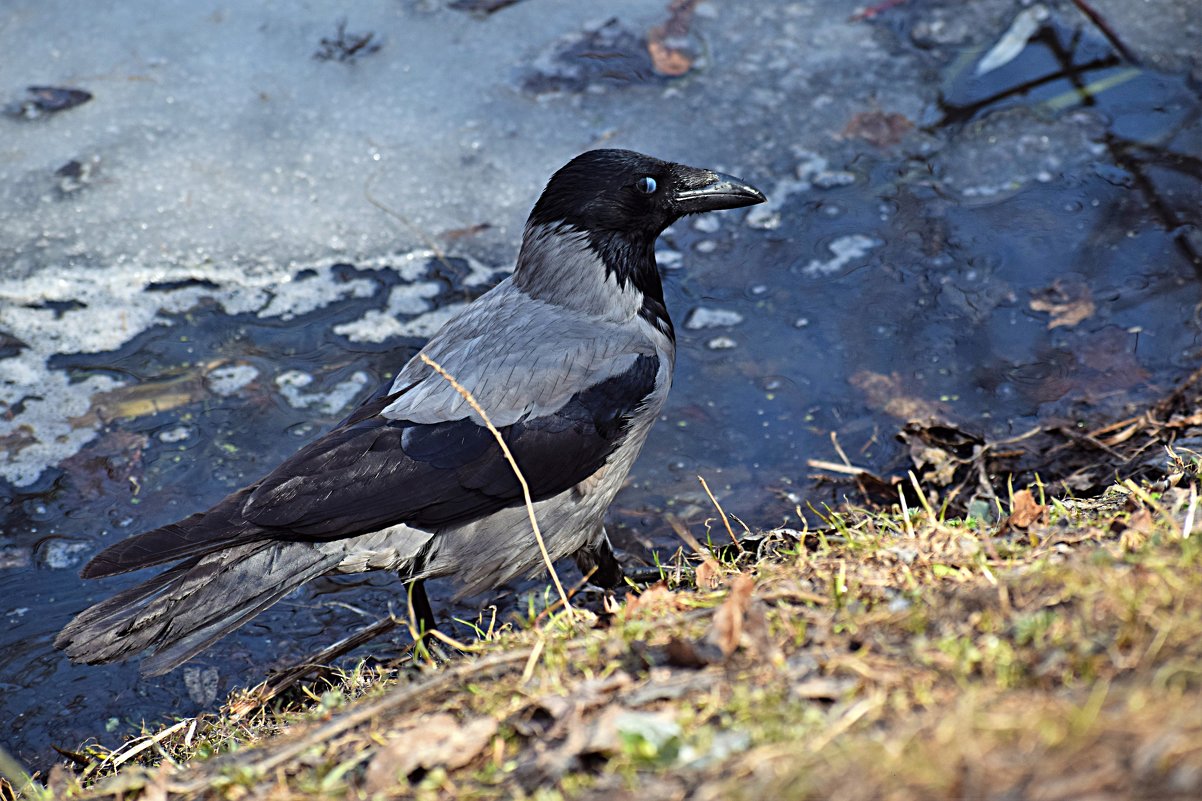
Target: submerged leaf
{"x":1014,"y":40}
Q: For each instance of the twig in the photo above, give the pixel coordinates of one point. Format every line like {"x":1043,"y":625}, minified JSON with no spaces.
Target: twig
{"x":847,"y":720}
{"x":471,"y":648}
{"x":149,"y":742}
{"x":538,"y":534}
{"x":413,"y":229}
{"x":922,"y":497}
{"x":571,"y":594}
{"x":835,"y":467}
{"x":289,"y":676}
{"x":725,"y":519}
{"x":682,"y":531}
{"x":532,"y":660}
{"x":1101,"y":24}
{"x":839,"y":449}
{"x":901,"y":494}
{"x":1187,"y":527}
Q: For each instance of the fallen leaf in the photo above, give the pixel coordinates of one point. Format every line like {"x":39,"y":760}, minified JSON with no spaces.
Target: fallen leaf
{"x":708,"y":574}
{"x":615,"y":726}
{"x":757,"y":634}
{"x":433,"y":741}
{"x":664,"y":42}
{"x":878,"y":128}
{"x":688,"y":653}
{"x":654,"y":600}
{"x":727,"y":629}
{"x":887,"y":393}
{"x":1025,"y":510}
{"x":1067,"y":303}
{"x":1139,"y":526}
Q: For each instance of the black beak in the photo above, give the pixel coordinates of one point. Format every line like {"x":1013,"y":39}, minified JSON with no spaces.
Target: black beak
{"x":716,"y":191}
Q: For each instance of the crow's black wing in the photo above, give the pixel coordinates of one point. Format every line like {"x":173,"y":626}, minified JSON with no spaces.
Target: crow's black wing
{"x":379,"y":472}
{"x":372,"y":472}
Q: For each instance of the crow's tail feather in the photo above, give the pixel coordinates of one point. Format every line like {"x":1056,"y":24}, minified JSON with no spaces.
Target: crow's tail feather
{"x":195,"y":535}
{"x":186,"y":608}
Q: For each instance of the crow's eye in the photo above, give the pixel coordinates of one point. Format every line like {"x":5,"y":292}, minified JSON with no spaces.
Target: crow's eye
{"x":646,"y":185}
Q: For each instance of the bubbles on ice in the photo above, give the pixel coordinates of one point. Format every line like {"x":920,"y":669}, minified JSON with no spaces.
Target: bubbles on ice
{"x":292,"y":385}
{"x":229,"y":379}
{"x":846,"y":249}
{"x":705,"y":317}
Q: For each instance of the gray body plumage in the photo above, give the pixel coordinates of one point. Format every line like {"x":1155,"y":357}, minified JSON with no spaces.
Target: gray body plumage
{"x":524,"y":356}
{"x":571,"y":358}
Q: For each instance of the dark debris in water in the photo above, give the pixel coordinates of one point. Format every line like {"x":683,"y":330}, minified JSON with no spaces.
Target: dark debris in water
{"x":76,"y":174}
{"x":613,"y":56}
{"x":10,"y":345}
{"x":41,"y":101}
{"x":609,"y":56}
{"x":1159,"y":443}
{"x":347,"y":47}
{"x":481,"y":8}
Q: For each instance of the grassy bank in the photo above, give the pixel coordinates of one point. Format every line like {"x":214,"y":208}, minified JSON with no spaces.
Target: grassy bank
{"x":1056,"y":654}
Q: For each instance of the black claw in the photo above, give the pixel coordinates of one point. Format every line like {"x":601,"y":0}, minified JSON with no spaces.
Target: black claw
{"x":608,"y":571}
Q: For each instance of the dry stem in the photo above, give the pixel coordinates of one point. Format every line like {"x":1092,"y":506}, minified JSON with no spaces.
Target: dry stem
{"x":538,"y":534}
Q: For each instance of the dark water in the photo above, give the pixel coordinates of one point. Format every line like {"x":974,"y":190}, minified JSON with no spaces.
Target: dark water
{"x":945,"y":311}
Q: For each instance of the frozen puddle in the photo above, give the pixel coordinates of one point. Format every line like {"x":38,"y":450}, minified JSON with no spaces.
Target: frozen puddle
{"x":47,"y":412}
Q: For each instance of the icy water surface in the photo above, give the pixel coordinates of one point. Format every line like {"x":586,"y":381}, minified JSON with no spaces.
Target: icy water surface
{"x":985,"y":214}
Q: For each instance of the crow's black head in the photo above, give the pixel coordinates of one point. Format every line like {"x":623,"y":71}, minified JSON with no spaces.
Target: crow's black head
{"x":632,"y":195}
{"x":598,"y":220}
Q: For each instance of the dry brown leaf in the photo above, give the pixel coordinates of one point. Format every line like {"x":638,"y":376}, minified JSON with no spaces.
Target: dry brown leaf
{"x":727,"y":629}
{"x":655,"y":599}
{"x":689,"y":653}
{"x":708,"y":574}
{"x":1025,"y":510}
{"x":433,"y":741}
{"x":1139,"y":526}
{"x":666,"y":58}
{"x":758,"y":634}
{"x":667,"y":61}
{"x":1141,"y":520}
{"x":1068,"y":304}
{"x":601,"y":734}
{"x":878,"y":128}
{"x":887,"y":393}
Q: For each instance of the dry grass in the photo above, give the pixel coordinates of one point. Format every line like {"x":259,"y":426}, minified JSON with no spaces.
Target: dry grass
{"x":875,"y":658}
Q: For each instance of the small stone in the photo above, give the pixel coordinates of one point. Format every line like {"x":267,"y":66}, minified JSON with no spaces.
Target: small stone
{"x":704,"y":317}
{"x":177,"y":434}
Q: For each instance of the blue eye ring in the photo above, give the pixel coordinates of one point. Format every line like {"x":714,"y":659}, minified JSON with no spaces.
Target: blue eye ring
{"x":646,"y":185}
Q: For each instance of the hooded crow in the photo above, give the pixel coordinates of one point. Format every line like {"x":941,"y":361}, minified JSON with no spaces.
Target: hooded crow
{"x":571,"y":358}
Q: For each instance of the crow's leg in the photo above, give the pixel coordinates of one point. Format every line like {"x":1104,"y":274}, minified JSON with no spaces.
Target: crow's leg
{"x":601,"y":556}
{"x":423,"y":613}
